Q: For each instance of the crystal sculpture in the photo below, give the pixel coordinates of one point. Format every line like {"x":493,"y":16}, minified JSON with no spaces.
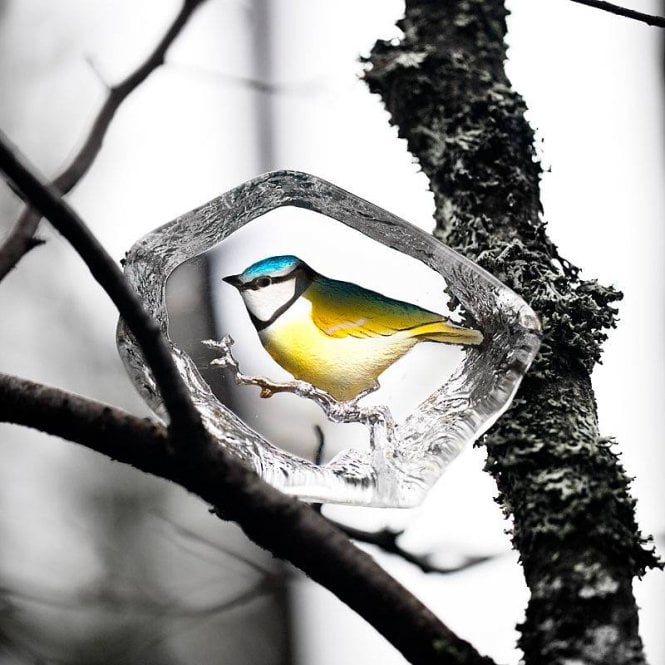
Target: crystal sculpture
{"x":406,"y":456}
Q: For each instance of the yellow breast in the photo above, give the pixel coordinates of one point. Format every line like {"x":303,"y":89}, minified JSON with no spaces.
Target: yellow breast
{"x":342,"y":366}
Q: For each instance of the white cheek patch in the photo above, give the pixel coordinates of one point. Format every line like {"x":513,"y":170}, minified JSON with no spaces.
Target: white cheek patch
{"x":264,"y":302}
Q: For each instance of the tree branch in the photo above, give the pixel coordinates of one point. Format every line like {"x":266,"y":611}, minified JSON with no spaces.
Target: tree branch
{"x":185,"y":419}
{"x":574,"y":523}
{"x":388,"y":541}
{"x":649,"y":19}
{"x":123,"y":602}
{"x":288,"y":528}
{"x":21,"y":237}
{"x":196,"y":538}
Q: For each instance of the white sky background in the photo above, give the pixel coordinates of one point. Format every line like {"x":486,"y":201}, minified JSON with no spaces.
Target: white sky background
{"x":593,"y":86}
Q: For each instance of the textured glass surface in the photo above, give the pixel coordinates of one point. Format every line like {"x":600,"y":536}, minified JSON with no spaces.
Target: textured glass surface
{"x":409,"y":452}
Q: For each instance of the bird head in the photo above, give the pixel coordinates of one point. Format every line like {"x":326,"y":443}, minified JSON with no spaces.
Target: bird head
{"x":270,"y":286}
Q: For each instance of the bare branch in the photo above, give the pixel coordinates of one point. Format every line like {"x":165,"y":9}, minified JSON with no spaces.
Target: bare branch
{"x":21,"y":238}
{"x":172,"y":609}
{"x":122,"y":602}
{"x":185,"y":419}
{"x":198,"y":539}
{"x":318,"y":455}
{"x":288,"y":528}
{"x":388,"y":541}
{"x":649,"y":19}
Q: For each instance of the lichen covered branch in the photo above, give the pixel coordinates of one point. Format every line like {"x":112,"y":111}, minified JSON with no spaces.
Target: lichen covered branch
{"x":573,"y":517}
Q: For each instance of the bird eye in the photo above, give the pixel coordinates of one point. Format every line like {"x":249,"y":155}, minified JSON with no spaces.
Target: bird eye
{"x":263,"y":281}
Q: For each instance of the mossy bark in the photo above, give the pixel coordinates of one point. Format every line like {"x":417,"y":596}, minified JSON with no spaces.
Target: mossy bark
{"x":574,"y":525}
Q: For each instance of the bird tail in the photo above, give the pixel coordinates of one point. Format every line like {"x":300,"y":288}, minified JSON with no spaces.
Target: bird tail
{"x":448,"y":333}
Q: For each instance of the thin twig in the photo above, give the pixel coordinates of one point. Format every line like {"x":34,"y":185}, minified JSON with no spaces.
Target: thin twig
{"x":318,"y":455}
{"x":198,"y":538}
{"x":649,"y":19}
{"x":388,"y":541}
{"x":21,"y":238}
{"x":209,"y":612}
{"x":171,"y":607}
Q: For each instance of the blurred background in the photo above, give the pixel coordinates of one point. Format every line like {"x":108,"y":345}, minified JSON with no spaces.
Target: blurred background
{"x":100,"y":564}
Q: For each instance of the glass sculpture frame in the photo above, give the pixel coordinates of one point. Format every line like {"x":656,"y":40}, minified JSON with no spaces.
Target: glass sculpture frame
{"x":457,"y":413}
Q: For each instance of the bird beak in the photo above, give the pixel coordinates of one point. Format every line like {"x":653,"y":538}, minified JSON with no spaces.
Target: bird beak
{"x":233,"y":280}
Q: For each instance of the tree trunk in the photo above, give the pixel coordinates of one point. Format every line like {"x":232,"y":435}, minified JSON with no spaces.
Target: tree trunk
{"x":574,"y":525}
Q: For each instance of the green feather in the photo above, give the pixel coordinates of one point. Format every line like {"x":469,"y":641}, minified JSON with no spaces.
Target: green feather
{"x":344,"y":309}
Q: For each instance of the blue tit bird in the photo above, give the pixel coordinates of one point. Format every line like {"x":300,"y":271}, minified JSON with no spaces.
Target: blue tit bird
{"x":335,"y":335}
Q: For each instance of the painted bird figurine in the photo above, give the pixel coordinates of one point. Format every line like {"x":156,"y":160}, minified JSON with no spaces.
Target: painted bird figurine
{"x":335,"y":335}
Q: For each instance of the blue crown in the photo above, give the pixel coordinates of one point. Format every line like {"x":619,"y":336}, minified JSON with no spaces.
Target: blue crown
{"x":271,"y":265}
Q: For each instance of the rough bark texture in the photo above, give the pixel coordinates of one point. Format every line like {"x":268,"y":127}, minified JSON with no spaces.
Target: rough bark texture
{"x":574,"y":525}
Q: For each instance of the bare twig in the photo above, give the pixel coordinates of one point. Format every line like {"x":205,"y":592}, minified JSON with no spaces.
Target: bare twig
{"x":211,"y":611}
{"x":122,"y":602}
{"x":196,"y":538}
{"x":649,"y":19}
{"x":388,"y":541}
{"x":172,"y":609}
{"x":241,"y":81}
{"x":318,"y":455}
{"x":21,"y":238}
